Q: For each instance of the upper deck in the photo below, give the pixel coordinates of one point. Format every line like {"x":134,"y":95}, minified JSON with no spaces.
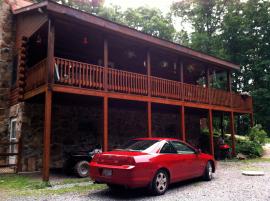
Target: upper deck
{"x":74,"y":52}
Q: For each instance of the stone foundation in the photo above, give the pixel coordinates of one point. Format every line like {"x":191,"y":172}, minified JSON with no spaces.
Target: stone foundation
{"x":80,"y":127}
{"x":7,"y":38}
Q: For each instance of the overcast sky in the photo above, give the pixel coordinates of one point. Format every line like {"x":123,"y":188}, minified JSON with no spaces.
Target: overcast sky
{"x":163,"y":5}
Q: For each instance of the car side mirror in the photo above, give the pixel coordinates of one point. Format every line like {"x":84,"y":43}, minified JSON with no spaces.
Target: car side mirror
{"x":198,"y":151}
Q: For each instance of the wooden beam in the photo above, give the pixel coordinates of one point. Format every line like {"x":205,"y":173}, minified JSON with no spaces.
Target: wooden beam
{"x":47,"y":135}
{"x":211,"y":132}
{"x":105,"y":62}
{"x":149,"y":119}
{"x":229,"y":81}
{"x":232,"y":132}
{"x":105,"y":123}
{"x":122,"y":96}
{"x":229,"y":84}
{"x":50,"y":52}
{"x":182,"y":123}
{"x":182,"y":79}
{"x":222,"y":124}
{"x":207,"y":69}
{"x":207,"y":73}
{"x":148,"y":65}
{"x":48,"y":102}
{"x":35,"y":92}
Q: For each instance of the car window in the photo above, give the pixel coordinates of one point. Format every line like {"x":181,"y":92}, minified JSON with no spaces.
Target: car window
{"x":138,"y":145}
{"x":168,"y":149}
{"x":182,"y":148}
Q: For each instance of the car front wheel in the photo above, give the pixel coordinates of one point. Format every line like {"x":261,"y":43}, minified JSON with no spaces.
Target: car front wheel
{"x":208,"y":172}
{"x":160,"y":183}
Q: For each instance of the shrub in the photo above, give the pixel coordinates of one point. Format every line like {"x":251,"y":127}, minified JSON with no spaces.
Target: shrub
{"x":257,"y":134}
{"x":249,"y":148}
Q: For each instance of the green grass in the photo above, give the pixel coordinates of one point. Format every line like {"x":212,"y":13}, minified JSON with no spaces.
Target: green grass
{"x":19,"y":185}
{"x":48,"y":191}
{"x":19,"y":182}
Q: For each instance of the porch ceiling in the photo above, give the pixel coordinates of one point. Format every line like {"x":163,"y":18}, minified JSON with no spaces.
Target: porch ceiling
{"x":64,"y":12}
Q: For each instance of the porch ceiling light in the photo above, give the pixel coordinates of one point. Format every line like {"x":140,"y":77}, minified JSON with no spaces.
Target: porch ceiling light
{"x":131,"y":54}
{"x":164,"y":64}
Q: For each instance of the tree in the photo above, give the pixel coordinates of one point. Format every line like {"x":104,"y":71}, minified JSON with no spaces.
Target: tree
{"x":238,"y":31}
{"x":205,"y":16}
{"x":150,"y":21}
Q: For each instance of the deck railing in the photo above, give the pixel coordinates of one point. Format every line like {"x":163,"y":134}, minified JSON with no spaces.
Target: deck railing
{"x":35,"y":76}
{"x":84,"y":75}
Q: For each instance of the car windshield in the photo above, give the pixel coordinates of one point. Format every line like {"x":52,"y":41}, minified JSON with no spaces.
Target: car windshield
{"x":138,"y":145}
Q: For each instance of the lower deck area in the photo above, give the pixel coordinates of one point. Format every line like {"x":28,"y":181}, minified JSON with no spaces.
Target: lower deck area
{"x":80,"y":122}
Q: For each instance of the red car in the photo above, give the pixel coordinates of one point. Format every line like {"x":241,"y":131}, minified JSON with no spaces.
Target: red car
{"x":151,"y":162}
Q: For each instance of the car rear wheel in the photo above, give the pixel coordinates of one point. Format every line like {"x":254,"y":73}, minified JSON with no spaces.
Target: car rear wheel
{"x":82,"y":168}
{"x":208,"y":172}
{"x":160,"y":183}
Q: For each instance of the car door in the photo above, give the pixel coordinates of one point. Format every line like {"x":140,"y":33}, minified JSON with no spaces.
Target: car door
{"x":188,"y":160}
{"x":169,"y":158}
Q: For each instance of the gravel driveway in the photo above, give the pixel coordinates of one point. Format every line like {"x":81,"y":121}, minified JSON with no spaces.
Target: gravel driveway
{"x":228,"y":185}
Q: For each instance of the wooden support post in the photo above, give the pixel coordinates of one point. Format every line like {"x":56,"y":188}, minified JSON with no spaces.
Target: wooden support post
{"x":48,"y":103}
{"x":149,"y":119}
{"x":148,"y":65}
{"x":105,"y":61}
{"x":149,"y":105}
{"x":50,"y":52}
{"x":105,"y":123}
{"x":251,"y":117}
{"x":208,"y":83}
{"x":229,"y":85}
{"x":182,"y":79}
{"x":183,"y":126}
{"x":232,"y":132}
{"x":222,"y":124}
{"x":211,"y":135}
{"x":47,"y":135}
{"x":229,"y":81}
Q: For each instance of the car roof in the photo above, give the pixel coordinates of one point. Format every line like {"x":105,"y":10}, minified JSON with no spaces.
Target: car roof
{"x":157,"y":138}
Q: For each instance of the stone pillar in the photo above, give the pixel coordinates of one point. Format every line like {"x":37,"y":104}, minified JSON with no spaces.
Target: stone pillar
{"x":7,"y":36}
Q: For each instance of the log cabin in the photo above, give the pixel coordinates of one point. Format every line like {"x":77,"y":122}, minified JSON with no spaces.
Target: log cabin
{"x":78,"y":80}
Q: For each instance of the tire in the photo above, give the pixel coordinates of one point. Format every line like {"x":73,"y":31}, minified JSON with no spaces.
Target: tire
{"x":208,"y":172}
{"x":160,"y":183}
{"x":82,"y":169}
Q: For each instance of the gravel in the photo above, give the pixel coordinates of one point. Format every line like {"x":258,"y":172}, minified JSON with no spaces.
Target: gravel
{"x":228,"y":185}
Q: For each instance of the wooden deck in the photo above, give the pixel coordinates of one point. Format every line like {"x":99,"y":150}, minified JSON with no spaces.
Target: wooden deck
{"x":80,"y":75}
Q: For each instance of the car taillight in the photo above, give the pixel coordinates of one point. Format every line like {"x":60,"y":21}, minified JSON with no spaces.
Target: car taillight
{"x":96,"y":158}
{"x":130,"y":161}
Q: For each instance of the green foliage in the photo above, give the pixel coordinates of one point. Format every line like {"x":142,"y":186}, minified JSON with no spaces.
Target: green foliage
{"x":238,"y":31}
{"x":249,"y":148}
{"x":257,"y":134}
{"x":21,"y":182}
